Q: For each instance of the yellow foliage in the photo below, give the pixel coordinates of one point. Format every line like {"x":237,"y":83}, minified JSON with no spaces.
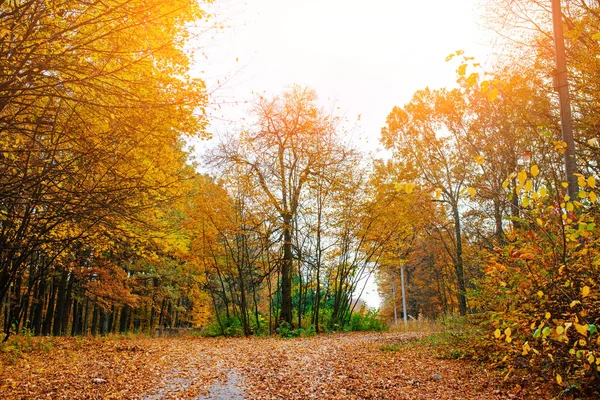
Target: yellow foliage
{"x":535,"y":171}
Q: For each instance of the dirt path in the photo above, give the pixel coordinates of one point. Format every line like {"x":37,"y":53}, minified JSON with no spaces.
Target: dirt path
{"x":341,"y":366}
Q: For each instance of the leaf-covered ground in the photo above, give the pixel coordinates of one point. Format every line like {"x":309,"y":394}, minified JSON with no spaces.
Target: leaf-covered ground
{"x":341,"y":366}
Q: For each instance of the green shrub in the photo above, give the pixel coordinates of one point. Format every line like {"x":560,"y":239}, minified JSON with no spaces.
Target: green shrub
{"x":368,"y":322}
{"x":229,"y":327}
{"x":286,"y":330}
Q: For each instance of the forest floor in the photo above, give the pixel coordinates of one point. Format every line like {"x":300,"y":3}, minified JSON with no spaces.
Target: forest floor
{"x":336,"y":366}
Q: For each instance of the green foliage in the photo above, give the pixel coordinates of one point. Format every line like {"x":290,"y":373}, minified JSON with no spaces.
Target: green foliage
{"x":287,"y":331}
{"x":367,"y":322}
{"x":229,"y":327}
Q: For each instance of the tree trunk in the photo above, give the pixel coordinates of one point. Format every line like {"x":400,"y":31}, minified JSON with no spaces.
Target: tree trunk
{"x":95,"y":317}
{"x":38,"y":307}
{"x":124,"y":319}
{"x":458,"y":264}
{"x":50,"y":309}
{"x":67,"y":308}
{"x":60,"y":303}
{"x":286,"y":270}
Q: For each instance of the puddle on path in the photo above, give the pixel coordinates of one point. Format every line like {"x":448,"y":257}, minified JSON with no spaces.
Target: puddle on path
{"x":231,"y":389}
{"x":228,"y":390}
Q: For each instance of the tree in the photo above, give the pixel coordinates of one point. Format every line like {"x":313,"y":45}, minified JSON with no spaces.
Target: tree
{"x":425,"y":137}
{"x":288,"y":147}
{"x":92,"y":104}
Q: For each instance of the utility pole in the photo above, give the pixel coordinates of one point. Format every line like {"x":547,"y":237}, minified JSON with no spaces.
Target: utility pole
{"x":562,"y":87}
{"x":403,"y":293}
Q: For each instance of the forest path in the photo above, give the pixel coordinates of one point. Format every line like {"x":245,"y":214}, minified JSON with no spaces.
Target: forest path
{"x":336,"y":366}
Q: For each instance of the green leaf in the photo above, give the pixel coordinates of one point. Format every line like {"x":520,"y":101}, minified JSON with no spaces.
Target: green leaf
{"x":546,"y":332}
{"x":592,"y":328}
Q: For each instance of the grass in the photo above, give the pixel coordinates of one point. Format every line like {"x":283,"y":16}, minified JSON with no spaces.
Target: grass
{"x":450,"y":338}
{"x":425,"y":326}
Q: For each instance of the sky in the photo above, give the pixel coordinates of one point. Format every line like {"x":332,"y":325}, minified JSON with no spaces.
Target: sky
{"x":362,"y":57}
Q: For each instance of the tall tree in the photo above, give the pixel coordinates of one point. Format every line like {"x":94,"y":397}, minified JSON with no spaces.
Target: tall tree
{"x":289,"y":145}
{"x":425,"y":137}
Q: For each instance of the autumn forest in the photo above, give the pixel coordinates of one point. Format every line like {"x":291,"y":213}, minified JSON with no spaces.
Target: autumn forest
{"x":482,"y":216}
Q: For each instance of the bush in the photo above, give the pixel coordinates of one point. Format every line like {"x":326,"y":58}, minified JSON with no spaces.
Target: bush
{"x":367,"y":322}
{"x":543,"y":289}
{"x":286,"y":330}
{"x":229,"y":327}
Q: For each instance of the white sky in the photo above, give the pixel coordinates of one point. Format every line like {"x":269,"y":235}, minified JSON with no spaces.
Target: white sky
{"x":361,"y":56}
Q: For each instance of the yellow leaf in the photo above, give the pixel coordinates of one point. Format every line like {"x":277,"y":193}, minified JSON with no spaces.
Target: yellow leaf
{"x":564,"y":184}
{"x":582,"y":194}
{"x":505,"y":184}
{"x":492,"y":95}
{"x":543,"y":192}
{"x":539,"y":221}
{"x":540,"y":293}
{"x":535,"y":171}
{"x":585,"y":291}
{"x":591,"y":181}
{"x":507,"y":332}
{"x":581,"y":181}
{"x":438,"y":193}
{"x":547,"y":316}
{"x":582,"y":342}
{"x":522,"y":176}
{"x":591,"y":358}
{"x":497,"y":333}
{"x":479,"y":160}
{"x":574,"y":303}
{"x":472,"y":78}
{"x":559,"y":379}
{"x":592,"y":197}
{"x":569,"y":206}
{"x":582,"y":329}
{"x":529,"y":185}
{"x":560,"y":330}
{"x":408,"y":188}
{"x":472,"y":191}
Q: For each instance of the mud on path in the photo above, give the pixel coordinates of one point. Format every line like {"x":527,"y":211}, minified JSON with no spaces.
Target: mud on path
{"x":340,"y":366}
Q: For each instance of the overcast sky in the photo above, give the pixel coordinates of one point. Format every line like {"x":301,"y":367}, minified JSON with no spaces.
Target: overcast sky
{"x":363,"y":57}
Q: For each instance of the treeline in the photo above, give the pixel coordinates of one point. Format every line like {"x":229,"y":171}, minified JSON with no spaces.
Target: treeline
{"x":502,"y":238}
{"x":92,"y":107}
{"x":105,"y":227}
{"x":296,"y":232}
